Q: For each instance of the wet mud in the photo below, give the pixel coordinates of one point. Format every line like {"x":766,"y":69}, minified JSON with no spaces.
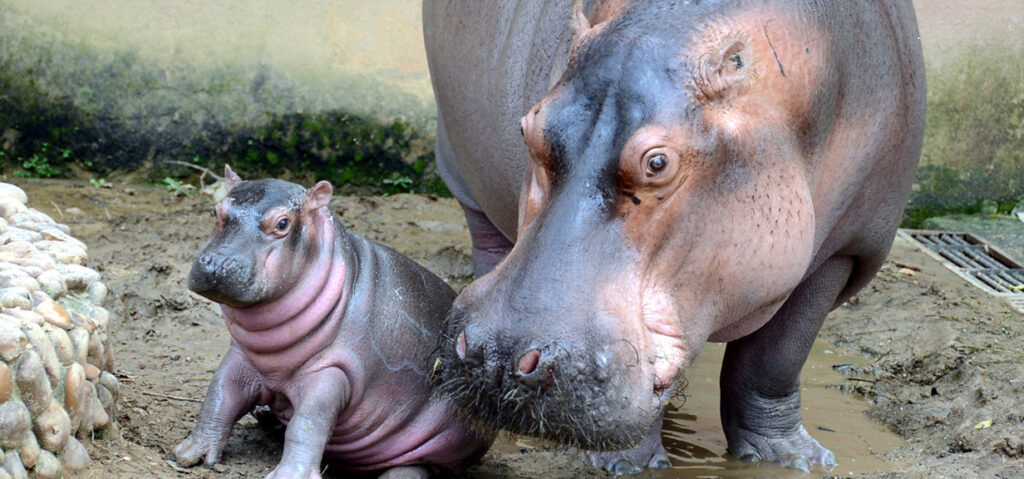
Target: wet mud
{"x":919,"y":376}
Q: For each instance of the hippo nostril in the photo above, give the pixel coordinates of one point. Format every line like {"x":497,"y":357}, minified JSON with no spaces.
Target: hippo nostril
{"x":528,"y":363}
{"x":204,"y":259}
{"x":460,"y":345}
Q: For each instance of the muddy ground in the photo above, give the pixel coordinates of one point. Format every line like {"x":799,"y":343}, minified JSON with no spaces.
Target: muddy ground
{"x":942,"y":369}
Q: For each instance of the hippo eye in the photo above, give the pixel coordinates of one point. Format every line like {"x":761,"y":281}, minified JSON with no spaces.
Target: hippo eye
{"x":656,"y":164}
{"x":282,"y":224}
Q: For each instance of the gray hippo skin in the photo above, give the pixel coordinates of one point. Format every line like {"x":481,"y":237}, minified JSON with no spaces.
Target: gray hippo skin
{"x":333,"y":332}
{"x":641,"y":177}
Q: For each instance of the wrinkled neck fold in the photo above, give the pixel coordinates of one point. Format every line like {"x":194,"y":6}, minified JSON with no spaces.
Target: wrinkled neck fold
{"x":309,"y":313}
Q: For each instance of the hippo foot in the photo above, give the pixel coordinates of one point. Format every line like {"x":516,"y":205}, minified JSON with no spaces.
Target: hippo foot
{"x":797,"y":450}
{"x":406,"y":472}
{"x":283,"y":471}
{"x":197,"y":448}
{"x":649,"y":454}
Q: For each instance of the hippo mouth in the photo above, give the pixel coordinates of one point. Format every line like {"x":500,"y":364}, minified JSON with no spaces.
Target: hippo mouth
{"x":578,"y":405}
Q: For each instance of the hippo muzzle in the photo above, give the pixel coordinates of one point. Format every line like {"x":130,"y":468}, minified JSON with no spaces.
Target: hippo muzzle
{"x":534,"y":352}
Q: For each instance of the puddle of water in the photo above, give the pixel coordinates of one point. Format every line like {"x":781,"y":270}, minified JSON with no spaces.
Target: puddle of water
{"x":695,"y":442}
{"x":693,"y":436}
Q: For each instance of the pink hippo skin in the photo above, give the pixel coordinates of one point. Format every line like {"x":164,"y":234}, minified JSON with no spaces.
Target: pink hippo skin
{"x":333,"y":332}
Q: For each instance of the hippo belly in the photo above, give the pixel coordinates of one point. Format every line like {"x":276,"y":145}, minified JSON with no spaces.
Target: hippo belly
{"x":640,"y":177}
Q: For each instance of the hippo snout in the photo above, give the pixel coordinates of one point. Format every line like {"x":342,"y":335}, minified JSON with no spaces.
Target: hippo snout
{"x":218,"y":277}
{"x":502,"y":380}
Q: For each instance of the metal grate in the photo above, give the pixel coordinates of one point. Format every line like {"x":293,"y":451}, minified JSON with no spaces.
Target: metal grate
{"x":974,"y":259}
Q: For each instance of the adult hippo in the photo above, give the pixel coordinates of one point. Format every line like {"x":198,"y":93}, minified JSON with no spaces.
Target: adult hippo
{"x":692,"y":171}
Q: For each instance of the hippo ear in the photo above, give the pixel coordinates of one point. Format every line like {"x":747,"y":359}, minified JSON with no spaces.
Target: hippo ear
{"x":318,"y":196}
{"x":580,"y":27}
{"x":230,"y":178}
{"x":722,"y":70}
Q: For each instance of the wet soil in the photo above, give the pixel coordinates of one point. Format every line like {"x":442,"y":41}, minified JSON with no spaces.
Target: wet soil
{"x":934,"y":363}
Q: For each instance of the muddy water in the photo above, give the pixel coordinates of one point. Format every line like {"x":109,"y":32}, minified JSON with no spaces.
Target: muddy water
{"x":693,"y":431}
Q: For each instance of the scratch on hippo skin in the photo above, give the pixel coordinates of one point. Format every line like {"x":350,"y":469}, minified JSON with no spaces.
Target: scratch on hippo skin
{"x":781,"y":69}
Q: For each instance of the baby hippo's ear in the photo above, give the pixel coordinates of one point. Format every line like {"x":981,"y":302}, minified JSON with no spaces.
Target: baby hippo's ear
{"x":317,"y":196}
{"x":230,"y":178}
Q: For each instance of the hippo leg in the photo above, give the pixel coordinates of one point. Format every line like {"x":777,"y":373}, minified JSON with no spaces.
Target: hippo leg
{"x":760,"y":379}
{"x":234,"y":391}
{"x":320,"y":396}
{"x":490,"y":246}
{"x":648,"y":454}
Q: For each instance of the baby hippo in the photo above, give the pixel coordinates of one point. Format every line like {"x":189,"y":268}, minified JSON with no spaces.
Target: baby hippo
{"x":333,"y":332}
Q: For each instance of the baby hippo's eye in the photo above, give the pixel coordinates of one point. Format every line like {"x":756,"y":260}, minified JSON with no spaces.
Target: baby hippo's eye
{"x":282,"y":224}
{"x":656,"y":164}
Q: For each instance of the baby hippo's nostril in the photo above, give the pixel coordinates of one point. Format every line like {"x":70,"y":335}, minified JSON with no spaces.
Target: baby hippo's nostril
{"x":460,"y":345}
{"x":204,"y":260}
{"x":528,"y":363}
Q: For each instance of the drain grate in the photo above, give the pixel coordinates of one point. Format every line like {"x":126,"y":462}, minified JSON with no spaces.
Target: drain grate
{"x":974,"y":259}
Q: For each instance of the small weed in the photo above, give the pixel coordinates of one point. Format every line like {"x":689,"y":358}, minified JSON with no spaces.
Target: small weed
{"x":398,"y":184}
{"x":99,"y":183}
{"x":37,"y":166}
{"x":178,"y":187}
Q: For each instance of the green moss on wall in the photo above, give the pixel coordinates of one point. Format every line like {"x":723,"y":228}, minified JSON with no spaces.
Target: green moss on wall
{"x":974,"y":139}
{"x":64,"y":102}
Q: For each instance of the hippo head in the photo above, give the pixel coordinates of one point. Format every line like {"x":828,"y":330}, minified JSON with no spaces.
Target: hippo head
{"x":263,"y":241}
{"x":665,"y":203}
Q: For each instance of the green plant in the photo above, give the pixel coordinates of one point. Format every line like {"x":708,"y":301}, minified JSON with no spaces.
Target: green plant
{"x":37,"y":166}
{"x":178,"y":187}
{"x":99,"y":183}
{"x":397,"y":184}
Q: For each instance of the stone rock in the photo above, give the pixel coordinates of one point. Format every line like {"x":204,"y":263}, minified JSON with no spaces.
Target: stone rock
{"x":96,"y":350}
{"x":97,"y":293}
{"x":30,"y":451}
{"x":107,"y":399}
{"x":33,"y":383}
{"x":95,"y":416}
{"x":54,"y":313}
{"x":53,"y":427}
{"x":17,"y":275}
{"x":6,"y":383}
{"x":63,"y":252}
{"x":61,"y":344}
{"x":76,"y":458}
{"x":80,"y":341}
{"x":47,"y":466}
{"x":15,"y":424}
{"x":16,"y":249}
{"x":26,"y":317}
{"x":14,"y":466}
{"x":78,"y":277}
{"x":109,"y":381}
{"x":92,"y":373}
{"x":76,"y":398}
{"x":9,"y":207}
{"x":16,"y":296}
{"x":53,"y":284}
{"x":12,"y":341}
{"x":37,"y":338}
{"x":13,"y":233}
{"x":13,"y":192}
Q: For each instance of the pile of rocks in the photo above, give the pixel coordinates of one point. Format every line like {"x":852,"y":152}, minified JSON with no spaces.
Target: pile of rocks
{"x":55,"y":360}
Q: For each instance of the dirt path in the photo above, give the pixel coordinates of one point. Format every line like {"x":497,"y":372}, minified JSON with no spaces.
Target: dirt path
{"x":944,"y":357}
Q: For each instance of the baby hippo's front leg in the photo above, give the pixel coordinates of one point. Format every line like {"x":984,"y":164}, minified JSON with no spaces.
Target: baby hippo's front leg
{"x":234,"y":391}
{"x":319,"y":397}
